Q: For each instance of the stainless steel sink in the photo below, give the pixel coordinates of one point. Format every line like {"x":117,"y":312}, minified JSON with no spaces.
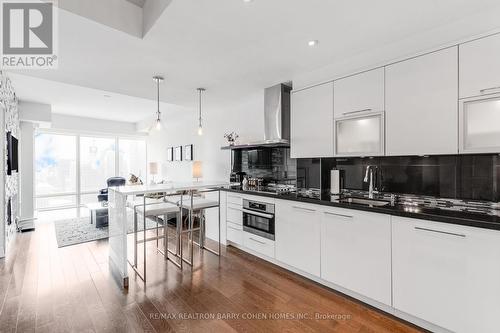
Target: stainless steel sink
{"x":368,"y":202}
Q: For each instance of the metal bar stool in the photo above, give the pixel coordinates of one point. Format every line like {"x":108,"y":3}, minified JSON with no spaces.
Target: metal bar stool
{"x":154,"y":209}
{"x":196,"y":206}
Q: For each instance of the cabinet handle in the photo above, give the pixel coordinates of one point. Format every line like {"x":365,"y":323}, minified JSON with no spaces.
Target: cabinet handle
{"x":233,"y":228}
{"x":357,"y":111}
{"x":482,"y":91}
{"x":339,"y":215}
{"x":303,"y":208}
{"x":257,"y":241}
{"x":237,"y":209}
{"x":441,"y":232}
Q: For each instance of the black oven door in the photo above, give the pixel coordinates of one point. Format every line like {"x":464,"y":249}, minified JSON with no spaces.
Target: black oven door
{"x":257,"y":223}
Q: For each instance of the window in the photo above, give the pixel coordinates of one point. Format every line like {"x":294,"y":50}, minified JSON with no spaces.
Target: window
{"x":70,"y":169}
{"x":97,"y":162}
{"x":55,"y":163}
{"x":132,"y":158}
{"x":55,"y":170}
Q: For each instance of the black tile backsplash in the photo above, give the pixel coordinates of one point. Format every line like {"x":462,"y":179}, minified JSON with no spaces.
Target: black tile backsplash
{"x":271,"y":164}
{"x":468,"y":177}
{"x":309,"y":173}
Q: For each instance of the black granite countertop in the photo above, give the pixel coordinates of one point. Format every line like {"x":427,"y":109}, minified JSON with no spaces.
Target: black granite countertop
{"x":471,"y":219}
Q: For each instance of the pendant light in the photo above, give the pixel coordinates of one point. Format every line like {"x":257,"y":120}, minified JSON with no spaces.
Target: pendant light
{"x":200,"y":126}
{"x":157,"y":123}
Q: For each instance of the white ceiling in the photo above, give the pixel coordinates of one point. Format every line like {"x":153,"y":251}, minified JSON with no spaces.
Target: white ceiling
{"x":139,"y":3}
{"x":87,"y":102}
{"x":231,"y":47}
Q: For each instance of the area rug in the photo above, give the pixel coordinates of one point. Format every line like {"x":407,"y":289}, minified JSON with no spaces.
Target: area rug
{"x":79,"y":230}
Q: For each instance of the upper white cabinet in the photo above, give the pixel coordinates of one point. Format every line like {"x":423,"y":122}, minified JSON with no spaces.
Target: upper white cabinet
{"x":298,"y":235}
{"x":479,"y":120}
{"x":360,"y":134}
{"x":356,"y":252}
{"x":359,"y":93}
{"x":447,"y":274}
{"x":480,"y":67}
{"x":421,"y":105}
{"x":312,"y":122}
{"x":359,"y":114}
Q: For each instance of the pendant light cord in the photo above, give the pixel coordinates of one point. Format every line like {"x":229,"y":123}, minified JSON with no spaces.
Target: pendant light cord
{"x":158,"y":98}
{"x":199,"y":119}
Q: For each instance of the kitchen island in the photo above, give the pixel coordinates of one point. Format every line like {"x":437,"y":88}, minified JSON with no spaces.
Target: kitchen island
{"x":118,"y":225}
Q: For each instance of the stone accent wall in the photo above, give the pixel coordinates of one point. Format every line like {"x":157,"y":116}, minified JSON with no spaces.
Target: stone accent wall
{"x":9,"y":105}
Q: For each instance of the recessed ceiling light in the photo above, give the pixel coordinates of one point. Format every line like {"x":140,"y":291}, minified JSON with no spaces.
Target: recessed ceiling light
{"x":313,"y":42}
{"x":247,"y":1}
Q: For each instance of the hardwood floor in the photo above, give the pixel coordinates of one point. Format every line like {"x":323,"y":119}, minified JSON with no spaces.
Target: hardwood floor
{"x":47,"y":289}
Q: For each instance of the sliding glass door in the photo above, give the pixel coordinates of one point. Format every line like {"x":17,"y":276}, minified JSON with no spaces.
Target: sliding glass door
{"x":72,"y":168}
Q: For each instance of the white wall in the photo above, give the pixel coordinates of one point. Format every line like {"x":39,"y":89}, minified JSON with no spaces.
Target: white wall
{"x":83,"y":124}
{"x":26,"y":170}
{"x":2,"y":181}
{"x":245,"y":118}
{"x":35,"y":112}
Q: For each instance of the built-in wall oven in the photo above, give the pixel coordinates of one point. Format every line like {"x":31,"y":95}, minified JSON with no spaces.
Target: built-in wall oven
{"x":258,"y":218}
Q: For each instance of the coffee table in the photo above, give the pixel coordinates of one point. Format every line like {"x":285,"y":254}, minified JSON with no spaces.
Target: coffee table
{"x":98,"y":214}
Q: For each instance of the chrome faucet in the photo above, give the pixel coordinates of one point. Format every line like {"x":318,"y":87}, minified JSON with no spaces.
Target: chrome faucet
{"x":369,"y":178}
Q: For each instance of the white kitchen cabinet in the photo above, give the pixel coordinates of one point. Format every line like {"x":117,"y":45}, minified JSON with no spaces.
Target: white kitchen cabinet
{"x":479,"y":124}
{"x":356,"y":252}
{"x":421,"y":105}
{"x":479,"y":67}
{"x":312,"y":122}
{"x":234,"y":199}
{"x":447,"y":274}
{"x":360,"y":134}
{"x":298,"y":235}
{"x":234,"y":214}
{"x":259,"y":244}
{"x":359,"y":93}
{"x":234,"y":233}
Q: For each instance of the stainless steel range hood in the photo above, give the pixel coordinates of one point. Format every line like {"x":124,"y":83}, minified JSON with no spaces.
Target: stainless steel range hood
{"x":276,"y":119}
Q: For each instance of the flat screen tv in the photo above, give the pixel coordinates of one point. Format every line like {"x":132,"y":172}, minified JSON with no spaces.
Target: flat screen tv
{"x":12,"y":154}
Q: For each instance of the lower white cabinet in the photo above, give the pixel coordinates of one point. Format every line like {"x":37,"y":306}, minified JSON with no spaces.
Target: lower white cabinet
{"x":234,"y":214}
{"x":234,"y":233}
{"x":356,"y":252}
{"x":258,"y":244}
{"x":446,"y":274}
{"x":298,"y":235}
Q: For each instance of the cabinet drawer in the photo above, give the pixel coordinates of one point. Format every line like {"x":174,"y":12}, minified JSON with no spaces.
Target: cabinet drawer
{"x":234,"y":215}
{"x":258,"y":244}
{"x":234,"y":199}
{"x":234,"y":233}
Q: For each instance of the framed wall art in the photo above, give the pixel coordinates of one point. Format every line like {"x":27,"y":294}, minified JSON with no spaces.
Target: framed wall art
{"x":170,"y":154}
{"x":178,"y":153}
{"x":188,"y":153}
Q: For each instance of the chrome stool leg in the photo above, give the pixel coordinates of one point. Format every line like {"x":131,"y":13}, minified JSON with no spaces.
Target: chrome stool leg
{"x":201,"y":235}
